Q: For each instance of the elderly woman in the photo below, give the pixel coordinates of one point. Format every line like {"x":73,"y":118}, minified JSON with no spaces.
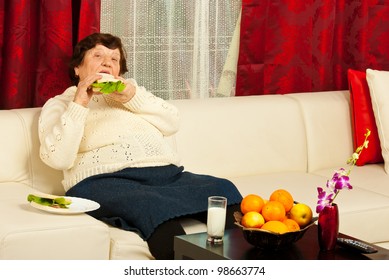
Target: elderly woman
{"x":112,"y":149}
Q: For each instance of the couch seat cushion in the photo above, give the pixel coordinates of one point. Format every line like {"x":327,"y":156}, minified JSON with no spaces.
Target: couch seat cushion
{"x":29,"y":233}
{"x":301,"y":185}
{"x":127,"y":245}
{"x":371,"y":177}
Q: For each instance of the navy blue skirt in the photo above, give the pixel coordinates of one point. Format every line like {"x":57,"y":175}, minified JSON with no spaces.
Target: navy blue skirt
{"x":140,"y":199}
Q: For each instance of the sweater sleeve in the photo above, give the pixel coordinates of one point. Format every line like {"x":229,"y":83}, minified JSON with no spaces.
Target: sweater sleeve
{"x":163,"y":115}
{"x":61,"y":126}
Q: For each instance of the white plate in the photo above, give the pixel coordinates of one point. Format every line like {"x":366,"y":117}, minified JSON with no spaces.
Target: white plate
{"x":78,"y":205}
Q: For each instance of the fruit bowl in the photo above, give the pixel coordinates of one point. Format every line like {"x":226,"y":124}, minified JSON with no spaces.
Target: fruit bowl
{"x":264,"y":239}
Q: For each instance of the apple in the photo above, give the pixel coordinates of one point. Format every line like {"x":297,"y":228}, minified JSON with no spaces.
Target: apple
{"x":301,"y":213}
{"x":252,"y":219}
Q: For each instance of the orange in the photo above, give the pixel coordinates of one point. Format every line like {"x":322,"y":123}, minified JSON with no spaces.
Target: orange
{"x":291,"y":224}
{"x":273,"y":211}
{"x":251,"y":202}
{"x":275,"y":226}
{"x":284,"y":197}
{"x":252,"y":219}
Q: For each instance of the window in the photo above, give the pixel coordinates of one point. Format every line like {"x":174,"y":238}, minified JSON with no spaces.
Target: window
{"x":175,"y":48}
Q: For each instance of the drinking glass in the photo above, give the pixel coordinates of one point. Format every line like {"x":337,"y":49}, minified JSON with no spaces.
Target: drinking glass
{"x":216,"y":219}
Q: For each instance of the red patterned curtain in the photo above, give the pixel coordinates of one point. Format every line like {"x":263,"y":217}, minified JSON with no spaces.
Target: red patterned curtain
{"x":36,"y":42}
{"x":308,"y":45}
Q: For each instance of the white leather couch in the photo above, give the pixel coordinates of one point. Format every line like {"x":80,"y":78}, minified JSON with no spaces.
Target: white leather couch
{"x":261,"y":143}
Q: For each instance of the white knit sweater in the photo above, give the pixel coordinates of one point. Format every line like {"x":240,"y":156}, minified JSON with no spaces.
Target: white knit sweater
{"x":107,"y":136}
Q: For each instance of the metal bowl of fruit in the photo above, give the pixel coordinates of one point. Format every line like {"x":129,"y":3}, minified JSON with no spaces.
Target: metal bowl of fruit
{"x":266,"y":239}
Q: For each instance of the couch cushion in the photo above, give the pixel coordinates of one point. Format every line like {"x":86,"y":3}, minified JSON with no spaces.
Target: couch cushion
{"x":363,"y":117}
{"x":301,"y":185}
{"x":328,"y":127}
{"x":371,"y":177}
{"x":383,"y":244}
{"x":365,"y":208}
{"x":127,"y":245}
{"x":29,"y":233}
{"x":232,"y":137}
{"x":378,"y":85}
{"x":22,"y":142}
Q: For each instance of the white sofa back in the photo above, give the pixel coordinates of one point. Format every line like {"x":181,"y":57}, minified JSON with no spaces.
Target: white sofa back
{"x":227,"y":137}
{"x":328,"y":127}
{"x":19,"y":146}
{"x":232,"y":137}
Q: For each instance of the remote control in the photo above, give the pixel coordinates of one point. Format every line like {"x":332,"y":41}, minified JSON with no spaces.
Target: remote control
{"x":356,"y":245}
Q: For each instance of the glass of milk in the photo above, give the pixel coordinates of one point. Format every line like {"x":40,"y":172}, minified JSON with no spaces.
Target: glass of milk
{"x":216,"y":220}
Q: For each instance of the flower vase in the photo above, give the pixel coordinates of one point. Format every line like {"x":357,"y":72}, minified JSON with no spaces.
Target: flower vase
{"x":328,"y":227}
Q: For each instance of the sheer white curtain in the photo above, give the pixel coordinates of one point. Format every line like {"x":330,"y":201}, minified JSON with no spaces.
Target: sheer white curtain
{"x":178,"y":48}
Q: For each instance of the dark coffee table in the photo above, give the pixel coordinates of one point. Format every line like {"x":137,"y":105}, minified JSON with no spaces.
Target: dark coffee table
{"x":235,"y":247}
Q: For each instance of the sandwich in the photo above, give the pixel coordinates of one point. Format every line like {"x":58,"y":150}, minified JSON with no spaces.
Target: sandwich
{"x":50,"y":200}
{"x":107,"y":84}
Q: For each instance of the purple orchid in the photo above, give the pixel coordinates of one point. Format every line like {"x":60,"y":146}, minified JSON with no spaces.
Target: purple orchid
{"x":340,"y":180}
{"x":324,"y":199}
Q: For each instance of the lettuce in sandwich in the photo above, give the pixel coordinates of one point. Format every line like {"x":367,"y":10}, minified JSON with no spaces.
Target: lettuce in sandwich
{"x":50,"y":200}
{"x":108,"y":84}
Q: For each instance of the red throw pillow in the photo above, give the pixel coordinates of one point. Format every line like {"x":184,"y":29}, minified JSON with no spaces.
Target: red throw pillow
{"x":363,"y":117}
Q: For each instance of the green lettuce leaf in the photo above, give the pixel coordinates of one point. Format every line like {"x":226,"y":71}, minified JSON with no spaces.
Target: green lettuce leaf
{"x":58,"y":202}
{"x":109,"y":87}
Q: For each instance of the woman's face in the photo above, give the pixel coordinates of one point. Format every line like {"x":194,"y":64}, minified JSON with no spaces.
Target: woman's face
{"x":99,"y":59}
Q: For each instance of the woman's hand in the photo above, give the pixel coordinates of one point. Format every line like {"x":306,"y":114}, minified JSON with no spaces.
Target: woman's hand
{"x":84,"y":91}
{"x":127,"y":94}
